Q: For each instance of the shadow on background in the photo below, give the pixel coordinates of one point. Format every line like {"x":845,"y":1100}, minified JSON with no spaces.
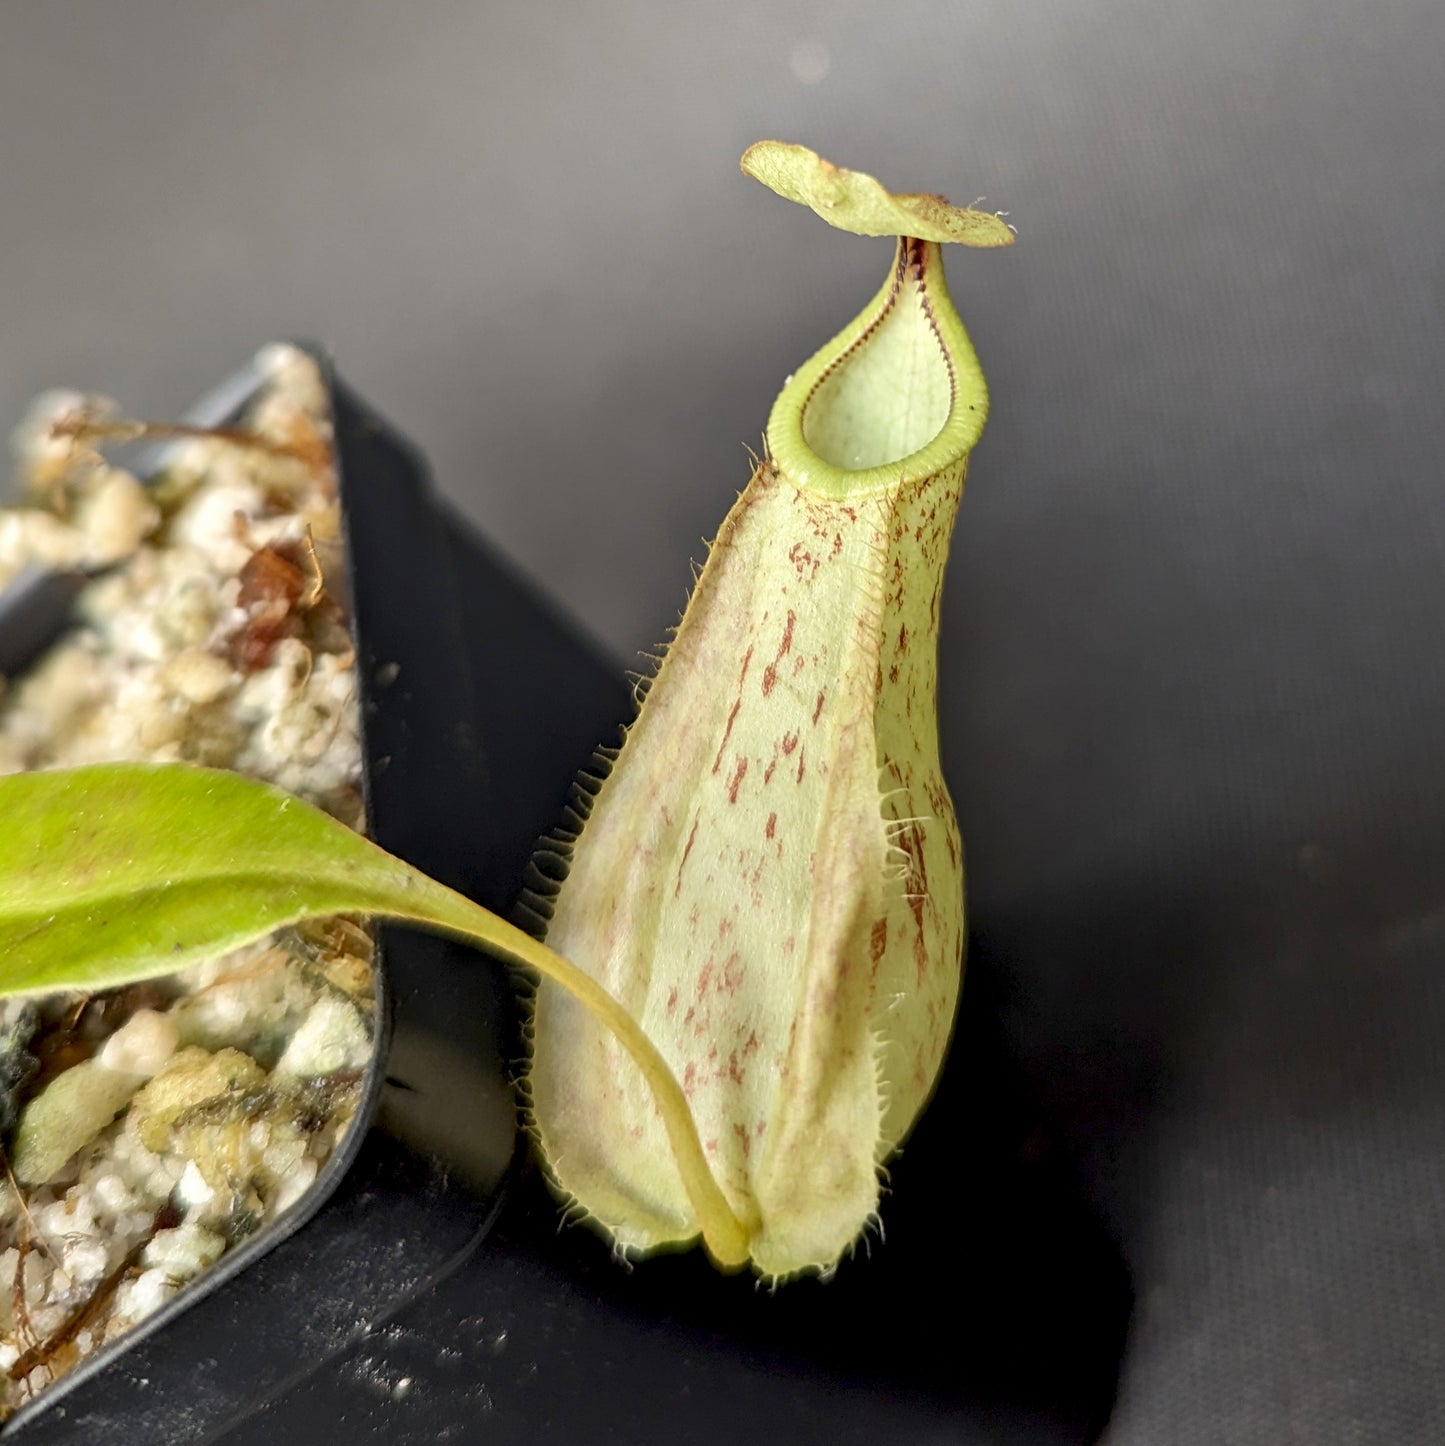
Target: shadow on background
{"x":995,"y":1296}
{"x":994,"y":1310}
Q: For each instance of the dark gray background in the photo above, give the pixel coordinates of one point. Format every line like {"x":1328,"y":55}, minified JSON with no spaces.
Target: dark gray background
{"x":1194,"y":649}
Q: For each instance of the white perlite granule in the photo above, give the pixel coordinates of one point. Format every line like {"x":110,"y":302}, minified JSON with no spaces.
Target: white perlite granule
{"x":151,"y":1129}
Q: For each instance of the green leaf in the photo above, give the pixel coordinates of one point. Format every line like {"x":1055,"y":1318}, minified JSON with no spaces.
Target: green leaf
{"x":120,"y":872}
{"x":853,"y":201}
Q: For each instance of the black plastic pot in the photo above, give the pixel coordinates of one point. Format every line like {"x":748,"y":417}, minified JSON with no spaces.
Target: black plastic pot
{"x":397,"y":1205}
{"x":993,"y":1311}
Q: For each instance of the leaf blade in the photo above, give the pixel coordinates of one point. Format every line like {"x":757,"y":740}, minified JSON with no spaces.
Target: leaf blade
{"x":118,"y":872}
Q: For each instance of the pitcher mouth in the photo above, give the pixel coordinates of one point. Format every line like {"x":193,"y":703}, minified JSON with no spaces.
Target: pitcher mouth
{"x":896,"y":397}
